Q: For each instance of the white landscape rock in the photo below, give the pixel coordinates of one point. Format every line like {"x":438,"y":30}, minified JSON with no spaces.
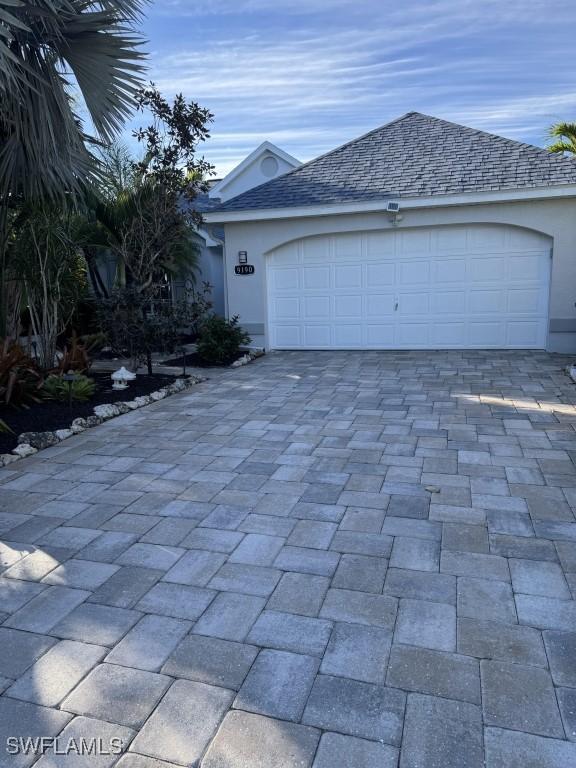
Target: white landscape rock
{"x":23,"y":450}
{"x":64,"y":434}
{"x":7,"y":458}
{"x":106,"y":411}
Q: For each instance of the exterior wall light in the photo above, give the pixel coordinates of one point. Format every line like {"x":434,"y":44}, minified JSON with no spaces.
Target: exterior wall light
{"x":121,"y":377}
{"x":242,"y":257}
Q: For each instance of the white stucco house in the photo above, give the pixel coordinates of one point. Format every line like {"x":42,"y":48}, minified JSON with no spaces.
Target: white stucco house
{"x":421,"y":234}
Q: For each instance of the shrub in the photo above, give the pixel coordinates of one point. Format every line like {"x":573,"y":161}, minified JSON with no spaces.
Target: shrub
{"x":20,"y":379}
{"x":220,"y":340}
{"x":74,"y":356}
{"x":81,"y":389}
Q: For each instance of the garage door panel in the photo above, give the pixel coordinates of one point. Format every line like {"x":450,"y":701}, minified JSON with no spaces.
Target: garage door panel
{"x":451,"y":239}
{"x":414,"y":272}
{"x":450,"y":271}
{"x":413,"y":334}
{"x":286,"y":308}
{"x":317,"y":336}
{"x":286,"y":278}
{"x":347,"y":246}
{"x":286,"y":336}
{"x":379,"y":305}
{"x":526,"y":300}
{"x":380,"y":245}
{"x":486,"y":301}
{"x":475,"y":286}
{"x":316,"y":307}
{"x":348,"y":276}
{"x":524,"y":268}
{"x":448,"y":302}
{"x":487,"y":238}
{"x":315,"y":249}
{"x":415,"y":241}
{"x":316,"y":277}
{"x":348,"y":336}
{"x":381,"y":275}
{"x":523,"y":333}
{"x":448,"y":334}
{"x":486,"y":334}
{"x":380,"y":336}
{"x":347,"y":307}
{"x":491,"y":269}
{"x":414,"y":303}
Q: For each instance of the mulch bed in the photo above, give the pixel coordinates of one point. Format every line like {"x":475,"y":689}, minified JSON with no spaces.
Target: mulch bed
{"x":192,"y":360}
{"x":50,"y":415}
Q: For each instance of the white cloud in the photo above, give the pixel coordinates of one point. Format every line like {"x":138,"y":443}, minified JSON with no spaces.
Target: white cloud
{"x":310,"y":85}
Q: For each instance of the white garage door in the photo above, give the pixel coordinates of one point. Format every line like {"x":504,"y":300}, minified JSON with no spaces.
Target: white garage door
{"x":463,"y":287}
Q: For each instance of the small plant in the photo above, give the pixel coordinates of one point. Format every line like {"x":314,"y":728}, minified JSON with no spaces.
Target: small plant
{"x":20,"y":379}
{"x":220,"y":340}
{"x":80,"y":389}
{"x":74,"y":356}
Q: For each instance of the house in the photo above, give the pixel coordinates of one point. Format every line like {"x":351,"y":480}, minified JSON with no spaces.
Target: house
{"x":421,"y":234}
{"x":266,"y":162}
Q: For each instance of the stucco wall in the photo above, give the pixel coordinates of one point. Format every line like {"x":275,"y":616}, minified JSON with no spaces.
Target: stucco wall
{"x":246,"y":295}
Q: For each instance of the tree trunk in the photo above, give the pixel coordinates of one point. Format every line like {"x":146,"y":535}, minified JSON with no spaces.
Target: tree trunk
{"x":149,"y":362}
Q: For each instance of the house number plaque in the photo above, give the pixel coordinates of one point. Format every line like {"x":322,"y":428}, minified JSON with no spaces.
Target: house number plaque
{"x":244,"y":269}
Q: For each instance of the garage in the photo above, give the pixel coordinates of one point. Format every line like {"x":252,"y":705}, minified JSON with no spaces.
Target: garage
{"x":483,"y":286}
{"x":421,"y":234}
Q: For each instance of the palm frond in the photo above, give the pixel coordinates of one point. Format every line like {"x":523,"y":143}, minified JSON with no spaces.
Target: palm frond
{"x":566,"y":135}
{"x":47,"y":47}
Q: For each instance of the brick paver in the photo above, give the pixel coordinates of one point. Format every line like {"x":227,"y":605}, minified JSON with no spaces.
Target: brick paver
{"x":323,"y":559}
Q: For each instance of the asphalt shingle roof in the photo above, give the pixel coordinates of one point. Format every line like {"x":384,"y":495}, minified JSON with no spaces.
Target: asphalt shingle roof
{"x":412,"y":156}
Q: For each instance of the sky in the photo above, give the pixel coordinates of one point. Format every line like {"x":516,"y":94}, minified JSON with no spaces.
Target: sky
{"x":309,"y":75}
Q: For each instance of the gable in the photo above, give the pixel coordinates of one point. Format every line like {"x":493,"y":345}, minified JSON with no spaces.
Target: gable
{"x":266,"y":162}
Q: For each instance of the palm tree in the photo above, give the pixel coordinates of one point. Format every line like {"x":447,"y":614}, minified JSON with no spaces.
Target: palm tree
{"x":50,"y":49}
{"x":565,"y":135}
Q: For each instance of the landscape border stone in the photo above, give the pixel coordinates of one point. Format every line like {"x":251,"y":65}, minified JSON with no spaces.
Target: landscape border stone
{"x":30,"y":443}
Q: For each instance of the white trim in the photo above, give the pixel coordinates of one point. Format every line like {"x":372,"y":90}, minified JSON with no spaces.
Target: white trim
{"x":210,"y":240}
{"x":266,"y":146}
{"x":431,"y":201}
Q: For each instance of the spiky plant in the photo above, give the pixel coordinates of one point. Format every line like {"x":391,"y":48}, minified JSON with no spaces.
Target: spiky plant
{"x":49,"y":51}
{"x":565,"y":138}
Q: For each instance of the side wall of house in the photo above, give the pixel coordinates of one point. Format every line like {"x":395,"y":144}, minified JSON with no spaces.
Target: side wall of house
{"x":555,"y":218}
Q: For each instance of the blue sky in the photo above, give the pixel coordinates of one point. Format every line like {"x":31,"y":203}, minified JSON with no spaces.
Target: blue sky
{"x":311,"y":74}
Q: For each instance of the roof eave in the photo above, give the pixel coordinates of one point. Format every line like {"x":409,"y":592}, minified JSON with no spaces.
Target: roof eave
{"x":371,"y":206}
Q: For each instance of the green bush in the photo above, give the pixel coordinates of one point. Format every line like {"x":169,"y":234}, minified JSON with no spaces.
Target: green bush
{"x":81,"y":389}
{"x":220,"y":340}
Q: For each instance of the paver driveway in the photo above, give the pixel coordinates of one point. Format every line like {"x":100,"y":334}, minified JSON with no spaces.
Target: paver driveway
{"x":327,"y":559}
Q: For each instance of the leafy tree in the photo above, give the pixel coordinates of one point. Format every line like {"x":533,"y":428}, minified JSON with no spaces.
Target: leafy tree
{"x":565,"y":138}
{"x":148,"y":217}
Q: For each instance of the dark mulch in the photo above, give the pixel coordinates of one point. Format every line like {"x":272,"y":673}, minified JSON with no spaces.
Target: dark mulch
{"x":50,"y":415}
{"x":192,"y":360}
